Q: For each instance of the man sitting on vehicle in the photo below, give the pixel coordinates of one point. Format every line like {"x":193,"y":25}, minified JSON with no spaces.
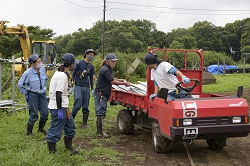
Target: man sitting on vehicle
{"x":164,"y":76}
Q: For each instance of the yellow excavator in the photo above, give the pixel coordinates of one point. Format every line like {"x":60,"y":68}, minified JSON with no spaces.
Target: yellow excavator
{"x":48,"y":51}
{"x":45,"y":48}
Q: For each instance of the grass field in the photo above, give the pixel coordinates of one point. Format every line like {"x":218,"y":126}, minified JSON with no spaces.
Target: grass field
{"x":228,"y":83}
{"x":17,"y":149}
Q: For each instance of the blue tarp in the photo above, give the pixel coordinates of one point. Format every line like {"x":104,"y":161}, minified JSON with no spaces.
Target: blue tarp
{"x":214,"y":68}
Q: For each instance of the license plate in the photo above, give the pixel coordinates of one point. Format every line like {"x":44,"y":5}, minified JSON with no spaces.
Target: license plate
{"x":190,"y":133}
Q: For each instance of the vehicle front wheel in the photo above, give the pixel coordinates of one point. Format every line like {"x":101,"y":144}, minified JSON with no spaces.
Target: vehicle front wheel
{"x":217,"y":144}
{"x":125,"y":121}
{"x":161,"y":144}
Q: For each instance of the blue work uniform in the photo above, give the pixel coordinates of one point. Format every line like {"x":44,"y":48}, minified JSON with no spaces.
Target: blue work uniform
{"x":83,"y":76}
{"x":103,"y":90}
{"x":59,"y":82}
{"x":58,"y":126}
{"x":33,"y":85}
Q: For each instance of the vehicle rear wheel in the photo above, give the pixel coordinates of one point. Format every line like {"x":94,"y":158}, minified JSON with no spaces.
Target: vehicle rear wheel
{"x":217,"y":144}
{"x":125,"y":121}
{"x":161,"y":144}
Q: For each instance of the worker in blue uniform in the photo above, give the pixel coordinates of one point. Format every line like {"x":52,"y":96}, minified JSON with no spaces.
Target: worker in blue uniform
{"x":83,"y":77}
{"x":33,"y":84}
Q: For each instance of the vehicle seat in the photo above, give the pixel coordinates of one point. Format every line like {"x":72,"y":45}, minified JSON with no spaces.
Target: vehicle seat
{"x":163,"y":93}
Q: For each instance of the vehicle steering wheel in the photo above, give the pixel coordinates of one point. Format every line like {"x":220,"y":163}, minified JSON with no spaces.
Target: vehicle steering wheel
{"x":189,"y":88}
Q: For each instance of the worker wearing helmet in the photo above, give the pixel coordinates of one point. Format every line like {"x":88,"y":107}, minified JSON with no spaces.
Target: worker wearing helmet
{"x":33,"y":84}
{"x":61,"y":119}
{"x":164,"y":76}
{"x":102,"y":91}
{"x":83,"y":77}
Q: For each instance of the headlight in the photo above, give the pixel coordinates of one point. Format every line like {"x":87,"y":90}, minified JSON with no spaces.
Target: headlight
{"x":236,"y":119}
{"x":187,"y":122}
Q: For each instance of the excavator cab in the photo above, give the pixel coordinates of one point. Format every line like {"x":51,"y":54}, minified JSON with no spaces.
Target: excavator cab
{"x":46,"y":48}
{"x":48,"y":51}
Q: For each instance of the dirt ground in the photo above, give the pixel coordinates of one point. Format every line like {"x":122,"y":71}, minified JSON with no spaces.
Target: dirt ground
{"x":140,"y":142}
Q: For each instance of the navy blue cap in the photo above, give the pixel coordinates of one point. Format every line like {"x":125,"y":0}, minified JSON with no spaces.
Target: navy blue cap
{"x":33,"y":58}
{"x":111,"y":57}
{"x":150,"y":58}
{"x":68,"y":59}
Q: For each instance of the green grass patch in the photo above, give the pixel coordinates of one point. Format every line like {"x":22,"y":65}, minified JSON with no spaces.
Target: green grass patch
{"x":228,"y":83}
{"x":138,"y":156}
{"x":18,"y":149}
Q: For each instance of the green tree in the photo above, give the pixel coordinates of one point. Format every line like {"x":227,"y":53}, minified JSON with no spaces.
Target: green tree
{"x":128,"y":36}
{"x":174,"y":34}
{"x":188,"y":41}
{"x":62,"y":44}
{"x":245,"y":38}
{"x":234,"y":33}
{"x":36,"y":33}
{"x":177,"y":45}
{"x":212,"y":58}
{"x":206,"y":35}
{"x":176,"y":59}
{"x":9,"y":45}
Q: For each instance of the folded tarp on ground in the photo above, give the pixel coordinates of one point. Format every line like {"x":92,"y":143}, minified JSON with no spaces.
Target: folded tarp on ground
{"x":214,"y":68}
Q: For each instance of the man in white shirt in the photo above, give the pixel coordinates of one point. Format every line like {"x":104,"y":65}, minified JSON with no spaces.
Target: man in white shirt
{"x":164,"y":76}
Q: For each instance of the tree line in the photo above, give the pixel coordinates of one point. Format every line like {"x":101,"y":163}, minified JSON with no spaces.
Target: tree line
{"x":134,"y":36}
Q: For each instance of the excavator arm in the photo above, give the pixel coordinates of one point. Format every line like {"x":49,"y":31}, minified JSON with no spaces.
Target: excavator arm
{"x":45,"y":48}
{"x":22,"y":33}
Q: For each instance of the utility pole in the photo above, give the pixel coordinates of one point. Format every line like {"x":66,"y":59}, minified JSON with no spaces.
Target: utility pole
{"x":103,"y":28}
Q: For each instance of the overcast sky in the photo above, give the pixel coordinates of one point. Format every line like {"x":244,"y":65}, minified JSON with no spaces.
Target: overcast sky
{"x":66,"y":16}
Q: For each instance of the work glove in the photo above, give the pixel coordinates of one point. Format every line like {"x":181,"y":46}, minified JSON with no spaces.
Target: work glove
{"x":60,"y":114}
{"x":93,"y":92}
{"x":152,"y":96}
{"x":185,"y":80}
{"x":27,"y":97}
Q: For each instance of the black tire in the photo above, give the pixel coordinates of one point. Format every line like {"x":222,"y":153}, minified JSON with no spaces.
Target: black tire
{"x":125,"y":121}
{"x":217,"y":144}
{"x":161,"y":144}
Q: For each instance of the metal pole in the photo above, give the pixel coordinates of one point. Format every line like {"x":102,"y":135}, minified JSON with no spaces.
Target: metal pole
{"x":27,"y":63}
{"x":1,"y":81}
{"x":244,"y":65}
{"x":54,"y":66}
{"x":103,"y":28}
{"x":224,"y":68}
{"x":13,"y":82}
{"x":218,"y":71}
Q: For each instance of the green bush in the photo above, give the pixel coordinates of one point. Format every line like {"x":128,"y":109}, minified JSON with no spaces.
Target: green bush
{"x":212,"y":58}
{"x":125,"y":60}
{"x":176,"y":59}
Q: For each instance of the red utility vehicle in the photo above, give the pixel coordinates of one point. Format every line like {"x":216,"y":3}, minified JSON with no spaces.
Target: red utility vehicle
{"x":204,"y":116}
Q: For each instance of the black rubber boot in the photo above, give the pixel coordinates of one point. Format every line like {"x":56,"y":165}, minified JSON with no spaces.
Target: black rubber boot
{"x":68,"y":145}
{"x":85,"y":121}
{"x":29,"y":129}
{"x":100,"y":128}
{"x":97,"y":127}
{"x":73,"y":115}
{"x":41,"y":127}
{"x":52,"y":147}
